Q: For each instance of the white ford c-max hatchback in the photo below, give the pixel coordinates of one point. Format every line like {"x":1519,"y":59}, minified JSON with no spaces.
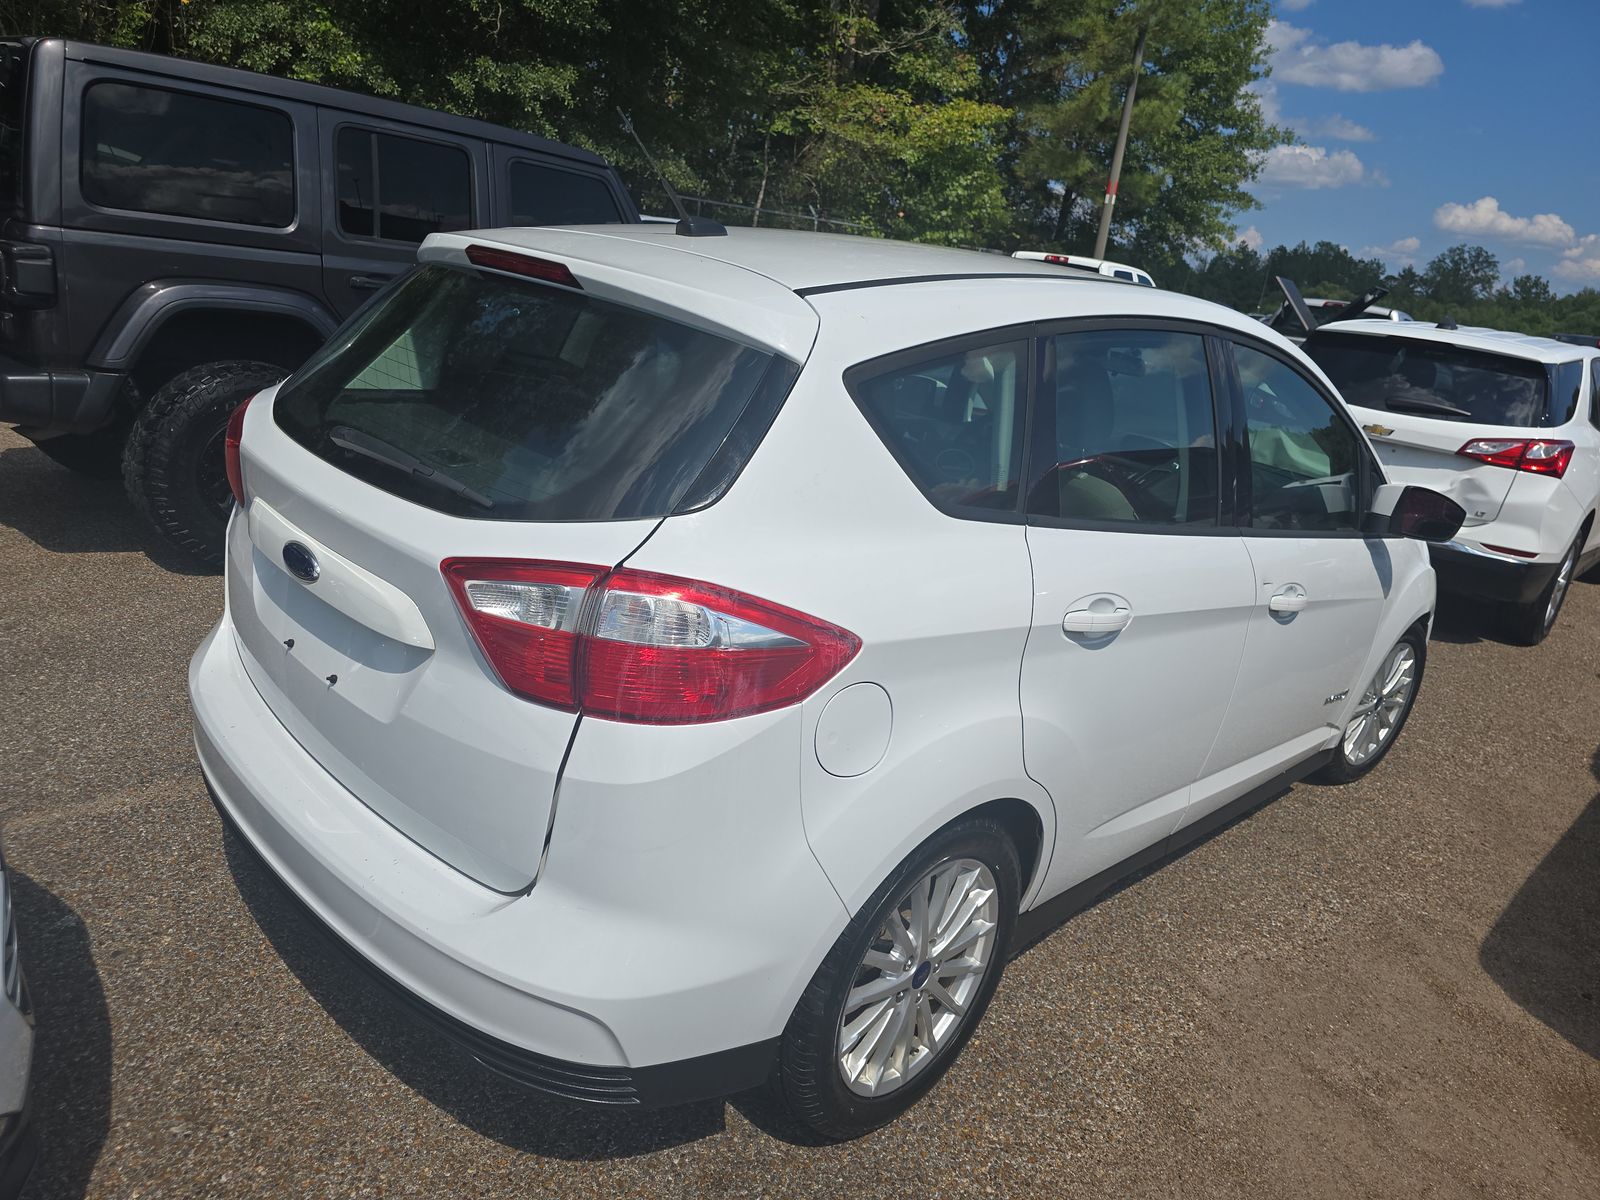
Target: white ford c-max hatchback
{"x":680,"y":662}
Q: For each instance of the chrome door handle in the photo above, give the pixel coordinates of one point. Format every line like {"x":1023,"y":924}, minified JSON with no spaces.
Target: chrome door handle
{"x":1289,"y":599}
{"x":369,"y":283}
{"x":1097,"y":621}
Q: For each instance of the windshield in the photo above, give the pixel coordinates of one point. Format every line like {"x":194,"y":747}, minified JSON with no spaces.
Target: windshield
{"x":1432,"y":379}
{"x":13,"y":112}
{"x":489,"y":397}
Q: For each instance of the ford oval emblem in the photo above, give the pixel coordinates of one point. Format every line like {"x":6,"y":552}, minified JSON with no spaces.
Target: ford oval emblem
{"x":302,"y":564}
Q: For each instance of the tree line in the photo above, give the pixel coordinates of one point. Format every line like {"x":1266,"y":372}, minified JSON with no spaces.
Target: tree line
{"x":1463,"y":282}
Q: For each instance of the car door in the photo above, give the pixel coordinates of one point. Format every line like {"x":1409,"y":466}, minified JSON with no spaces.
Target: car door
{"x":1142,"y":589}
{"x":1320,"y":585}
{"x":385,"y":188}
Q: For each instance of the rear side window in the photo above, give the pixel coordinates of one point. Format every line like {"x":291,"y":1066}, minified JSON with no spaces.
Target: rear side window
{"x":160,"y":151}
{"x":1594,"y":392}
{"x":954,"y":420}
{"x":484,"y":396}
{"x":1305,"y":462}
{"x":401,"y":189}
{"x":1433,"y":379}
{"x":13,"y":114}
{"x":1125,"y":431}
{"x":1567,"y":393}
{"x":543,"y":195}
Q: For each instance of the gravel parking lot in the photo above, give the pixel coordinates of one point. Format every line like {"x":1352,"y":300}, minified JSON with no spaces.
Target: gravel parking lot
{"x":1386,"y":989}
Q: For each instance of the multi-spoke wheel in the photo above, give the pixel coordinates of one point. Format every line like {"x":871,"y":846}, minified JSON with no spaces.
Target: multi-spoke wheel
{"x":1379,"y":714}
{"x":901,"y":990}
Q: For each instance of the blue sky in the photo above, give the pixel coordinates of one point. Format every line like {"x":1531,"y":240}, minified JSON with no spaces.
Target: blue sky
{"x":1430,"y":123}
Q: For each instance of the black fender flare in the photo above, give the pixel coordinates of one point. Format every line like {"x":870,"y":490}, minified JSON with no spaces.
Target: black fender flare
{"x":151,"y":305}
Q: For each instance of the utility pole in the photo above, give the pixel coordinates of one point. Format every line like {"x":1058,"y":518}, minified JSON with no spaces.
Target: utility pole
{"x":1122,"y":145}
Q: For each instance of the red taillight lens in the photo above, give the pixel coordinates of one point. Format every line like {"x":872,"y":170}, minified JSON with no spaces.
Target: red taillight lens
{"x":230,"y":451}
{"x":646,"y":648}
{"x":522,"y":264}
{"x":524,"y":616}
{"x":1542,"y":456}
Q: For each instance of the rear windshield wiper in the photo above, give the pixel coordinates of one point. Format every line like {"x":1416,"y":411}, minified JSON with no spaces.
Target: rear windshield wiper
{"x":1417,"y":404}
{"x":379,"y":450}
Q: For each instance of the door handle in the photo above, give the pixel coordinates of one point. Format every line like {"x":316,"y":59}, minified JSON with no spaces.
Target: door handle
{"x":1103,"y":616}
{"x":1291,"y":598}
{"x":369,"y":283}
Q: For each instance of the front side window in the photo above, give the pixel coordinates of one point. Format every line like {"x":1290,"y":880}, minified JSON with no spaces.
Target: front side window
{"x":954,"y":422}
{"x":1305,"y":470}
{"x":550,"y":196}
{"x":485,"y":396}
{"x":400,"y":189}
{"x":1124,"y":431}
{"x":158,"y":151}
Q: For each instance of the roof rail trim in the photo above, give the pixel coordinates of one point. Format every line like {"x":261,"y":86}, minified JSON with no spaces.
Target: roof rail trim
{"x":895,"y":280}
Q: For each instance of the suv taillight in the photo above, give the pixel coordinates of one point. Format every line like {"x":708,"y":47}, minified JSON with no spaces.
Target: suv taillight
{"x":1542,"y":456}
{"x":230,"y":451}
{"x":636,"y":646}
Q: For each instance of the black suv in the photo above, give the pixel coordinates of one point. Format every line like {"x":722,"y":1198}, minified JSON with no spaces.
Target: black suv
{"x":175,"y":237}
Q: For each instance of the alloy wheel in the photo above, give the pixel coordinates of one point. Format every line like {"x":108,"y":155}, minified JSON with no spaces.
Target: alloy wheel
{"x":919,"y":978}
{"x":1382,"y":705}
{"x":1558,"y":590}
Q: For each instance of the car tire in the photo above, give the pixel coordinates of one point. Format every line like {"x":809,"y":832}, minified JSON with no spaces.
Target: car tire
{"x":1384,"y":707}
{"x":810,"y":1077}
{"x":173,"y":465}
{"x":1529,"y":624}
{"x":97,"y":455}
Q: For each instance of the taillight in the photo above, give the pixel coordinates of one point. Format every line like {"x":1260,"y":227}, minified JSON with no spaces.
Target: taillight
{"x":640,"y":647}
{"x":547,"y":270}
{"x":230,"y":451}
{"x":1542,"y":456}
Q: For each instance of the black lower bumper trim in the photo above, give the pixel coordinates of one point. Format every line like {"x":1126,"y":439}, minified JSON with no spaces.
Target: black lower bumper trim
{"x":57,"y":399}
{"x":708,"y":1076}
{"x":1491,"y":578}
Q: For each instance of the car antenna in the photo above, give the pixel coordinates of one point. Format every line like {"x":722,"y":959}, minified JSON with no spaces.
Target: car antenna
{"x":687,"y":226}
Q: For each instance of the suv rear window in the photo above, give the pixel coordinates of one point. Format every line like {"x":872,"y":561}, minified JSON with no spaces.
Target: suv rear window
{"x":159,"y":151}
{"x":551,"y":196}
{"x":1433,"y":379}
{"x":13,"y":111}
{"x":484,"y":396}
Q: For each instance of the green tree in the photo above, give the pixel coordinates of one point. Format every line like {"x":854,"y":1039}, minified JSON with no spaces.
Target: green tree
{"x":1460,"y":275}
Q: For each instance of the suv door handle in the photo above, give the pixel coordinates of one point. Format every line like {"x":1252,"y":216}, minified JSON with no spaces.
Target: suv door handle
{"x":369,"y":283}
{"x":1103,"y":615}
{"x":1291,"y":598}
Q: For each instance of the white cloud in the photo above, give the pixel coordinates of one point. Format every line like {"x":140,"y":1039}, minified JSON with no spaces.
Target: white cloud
{"x":1485,"y":218}
{"x":1470,"y":4}
{"x":1402,"y":251}
{"x":1513,"y":267}
{"x":1579,"y":270}
{"x":1303,"y":166}
{"x":1337,"y":127}
{"x":1302,"y":5}
{"x":1348,"y":66}
{"x":1251,"y":237}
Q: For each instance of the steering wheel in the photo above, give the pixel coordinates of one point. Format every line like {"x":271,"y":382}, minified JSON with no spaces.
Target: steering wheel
{"x":1107,"y":469}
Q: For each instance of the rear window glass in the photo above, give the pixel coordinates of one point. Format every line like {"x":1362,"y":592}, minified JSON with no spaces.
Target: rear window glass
{"x":159,"y":151}
{"x":550,"y":196}
{"x":1431,"y":379}
{"x":13,"y":110}
{"x":399,"y":188}
{"x":483,"y":396}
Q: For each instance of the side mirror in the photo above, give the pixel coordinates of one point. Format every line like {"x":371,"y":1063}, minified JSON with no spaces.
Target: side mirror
{"x":1404,"y":510}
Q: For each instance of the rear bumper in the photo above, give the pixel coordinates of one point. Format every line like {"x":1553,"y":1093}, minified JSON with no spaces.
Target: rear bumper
{"x":601,"y":984}
{"x":1466,"y":568}
{"x":50,"y":400}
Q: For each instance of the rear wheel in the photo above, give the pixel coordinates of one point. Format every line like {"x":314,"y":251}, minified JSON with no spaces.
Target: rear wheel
{"x":1530,"y":623}
{"x":174,"y":467}
{"x":904,"y":986}
{"x":1378,"y":719}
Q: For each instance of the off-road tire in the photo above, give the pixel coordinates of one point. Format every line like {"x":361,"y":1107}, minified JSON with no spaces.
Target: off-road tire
{"x":168,"y":459}
{"x":807,"y":1078}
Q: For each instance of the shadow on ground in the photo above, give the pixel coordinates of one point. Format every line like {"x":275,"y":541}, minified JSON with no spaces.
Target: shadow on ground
{"x":1544,"y":947}
{"x":72,"y":1046}
{"x":67,"y":513}
{"x":432,"y":1066}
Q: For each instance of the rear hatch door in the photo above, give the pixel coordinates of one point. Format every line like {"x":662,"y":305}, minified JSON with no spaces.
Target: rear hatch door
{"x":468,"y":414}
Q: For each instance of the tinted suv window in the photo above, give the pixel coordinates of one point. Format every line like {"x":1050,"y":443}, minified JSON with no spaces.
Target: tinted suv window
{"x":550,"y":196}
{"x":512,"y":401}
{"x":1594,"y":392}
{"x":1304,"y":460}
{"x":158,"y":151}
{"x":13,"y":111}
{"x":400,"y":188}
{"x":1125,"y":431}
{"x":954,"y":421}
{"x":1433,"y":379}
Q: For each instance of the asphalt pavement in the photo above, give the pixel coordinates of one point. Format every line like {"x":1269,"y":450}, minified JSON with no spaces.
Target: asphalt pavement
{"x":1388,"y":989}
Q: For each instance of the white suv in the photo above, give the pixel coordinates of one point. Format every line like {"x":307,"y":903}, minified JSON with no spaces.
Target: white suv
{"x":1508,"y":426}
{"x":674,"y":662}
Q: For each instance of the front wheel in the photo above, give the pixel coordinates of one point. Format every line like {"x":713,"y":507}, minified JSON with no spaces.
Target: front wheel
{"x":1381,"y":714}
{"x":904,"y":986}
{"x":173,"y":466}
